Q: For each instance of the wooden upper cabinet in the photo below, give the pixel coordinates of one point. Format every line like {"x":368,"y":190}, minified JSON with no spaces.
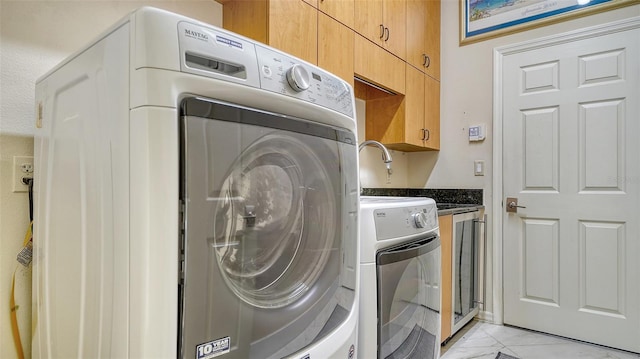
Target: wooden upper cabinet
{"x":432,"y":113}
{"x":414,"y":131}
{"x":416,"y":126}
{"x":433,"y":38}
{"x":335,"y":47}
{"x":341,"y":10}
{"x":395,"y":20}
{"x":423,"y":36}
{"x":416,"y":33}
{"x":384,"y":23}
{"x":405,"y":114}
{"x":247,"y":18}
{"x":379,"y":67}
{"x":293,"y":28}
{"x":368,"y":19}
{"x":288,"y":25}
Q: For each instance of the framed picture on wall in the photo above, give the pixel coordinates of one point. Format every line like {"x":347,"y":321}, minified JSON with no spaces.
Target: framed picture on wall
{"x":483,"y":19}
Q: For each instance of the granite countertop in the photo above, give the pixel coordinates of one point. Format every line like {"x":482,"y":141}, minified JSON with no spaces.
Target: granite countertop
{"x":449,"y":201}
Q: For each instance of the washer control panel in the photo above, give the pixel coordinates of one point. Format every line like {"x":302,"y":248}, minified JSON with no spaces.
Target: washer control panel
{"x":298,"y":78}
{"x":217,"y":53}
{"x":419,"y":219}
{"x":286,"y":75}
{"x":405,"y":221}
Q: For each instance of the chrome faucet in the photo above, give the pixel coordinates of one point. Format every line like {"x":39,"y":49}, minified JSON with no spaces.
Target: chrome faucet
{"x":386,"y":156}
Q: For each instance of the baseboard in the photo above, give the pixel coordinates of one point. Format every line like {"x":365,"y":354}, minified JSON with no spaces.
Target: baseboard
{"x":485,"y":316}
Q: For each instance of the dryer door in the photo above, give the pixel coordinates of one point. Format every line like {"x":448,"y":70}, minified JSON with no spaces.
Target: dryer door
{"x":408,"y":279}
{"x":270,"y":240}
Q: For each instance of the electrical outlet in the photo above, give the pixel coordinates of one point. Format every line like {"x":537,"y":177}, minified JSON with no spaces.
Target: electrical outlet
{"x":22,"y":168}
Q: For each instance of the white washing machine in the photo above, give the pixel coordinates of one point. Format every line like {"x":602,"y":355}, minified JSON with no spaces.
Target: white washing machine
{"x":196,"y":197}
{"x":400,"y":278}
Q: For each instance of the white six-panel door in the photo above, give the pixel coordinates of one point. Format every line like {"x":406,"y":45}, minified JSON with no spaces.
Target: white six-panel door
{"x":571,"y":155}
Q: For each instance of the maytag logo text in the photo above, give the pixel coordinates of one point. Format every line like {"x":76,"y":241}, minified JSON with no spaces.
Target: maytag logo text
{"x":196,"y":35}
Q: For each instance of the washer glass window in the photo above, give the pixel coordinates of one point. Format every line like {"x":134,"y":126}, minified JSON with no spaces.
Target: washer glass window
{"x":269,"y":250}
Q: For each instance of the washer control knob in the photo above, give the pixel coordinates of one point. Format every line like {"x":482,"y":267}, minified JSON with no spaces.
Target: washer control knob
{"x":419,"y":219}
{"x":298,"y":78}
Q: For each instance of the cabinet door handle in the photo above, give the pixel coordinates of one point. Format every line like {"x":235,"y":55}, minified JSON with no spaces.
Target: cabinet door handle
{"x":423,"y":133}
{"x":381,"y":31}
{"x":424,"y":59}
{"x":386,"y":29}
{"x":426,"y":134}
{"x":427,"y":61}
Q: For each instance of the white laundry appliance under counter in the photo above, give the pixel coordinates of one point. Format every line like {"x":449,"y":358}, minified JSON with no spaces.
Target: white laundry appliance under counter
{"x":400,"y":278}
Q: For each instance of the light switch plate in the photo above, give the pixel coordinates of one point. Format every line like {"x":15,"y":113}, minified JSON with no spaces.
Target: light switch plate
{"x":478,"y":168}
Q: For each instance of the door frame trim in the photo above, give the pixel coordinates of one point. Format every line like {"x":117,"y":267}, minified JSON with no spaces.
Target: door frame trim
{"x":499,"y":53}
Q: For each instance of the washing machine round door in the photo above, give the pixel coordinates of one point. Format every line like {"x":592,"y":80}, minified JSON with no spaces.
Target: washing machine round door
{"x":275,"y":222}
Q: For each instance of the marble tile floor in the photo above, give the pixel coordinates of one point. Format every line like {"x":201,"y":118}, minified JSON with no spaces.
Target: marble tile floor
{"x":479,"y":340}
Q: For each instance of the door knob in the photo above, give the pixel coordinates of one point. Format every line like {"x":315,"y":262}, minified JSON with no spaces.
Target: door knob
{"x":512,"y":205}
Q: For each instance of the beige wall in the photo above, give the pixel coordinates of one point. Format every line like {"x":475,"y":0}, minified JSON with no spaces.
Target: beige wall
{"x":35,"y":36}
{"x":14,"y":221}
{"x":467,"y":99}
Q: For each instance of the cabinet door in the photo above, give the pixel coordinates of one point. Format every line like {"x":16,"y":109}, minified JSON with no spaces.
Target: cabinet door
{"x":394,"y":16}
{"x":335,"y":47}
{"x":416,"y":33}
{"x":247,"y":18}
{"x":415,"y":106}
{"x":293,"y":28}
{"x":432,"y":113}
{"x":368,"y":19}
{"x":377,"y":66}
{"x":341,"y":10}
{"x":433,"y":38}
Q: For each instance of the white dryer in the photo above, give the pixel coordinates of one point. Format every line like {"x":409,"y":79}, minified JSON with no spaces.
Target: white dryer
{"x":400,"y":278}
{"x":196,"y":197}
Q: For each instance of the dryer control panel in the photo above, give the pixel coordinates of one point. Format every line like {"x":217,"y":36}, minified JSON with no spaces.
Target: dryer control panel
{"x":405,"y":221}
